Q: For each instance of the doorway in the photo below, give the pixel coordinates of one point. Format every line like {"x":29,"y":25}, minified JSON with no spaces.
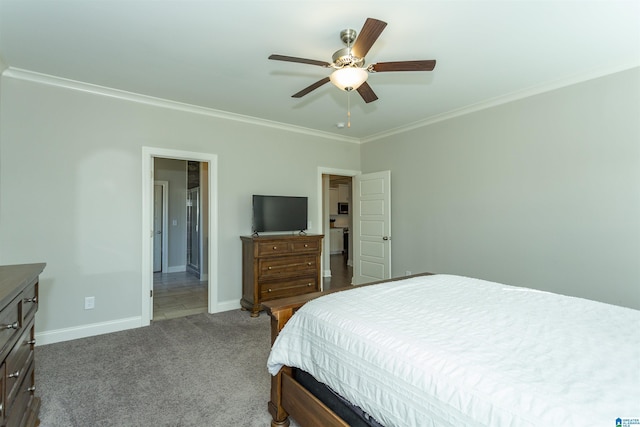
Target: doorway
{"x":207,"y":255}
{"x":180,"y":288}
{"x":370,"y":234}
{"x":335,"y":186}
{"x":340,"y":223}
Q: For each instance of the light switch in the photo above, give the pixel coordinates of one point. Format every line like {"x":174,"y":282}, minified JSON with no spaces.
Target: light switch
{"x":174,"y":222}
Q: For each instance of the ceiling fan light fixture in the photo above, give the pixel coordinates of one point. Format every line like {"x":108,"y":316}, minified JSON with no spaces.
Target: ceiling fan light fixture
{"x":349,"y":78}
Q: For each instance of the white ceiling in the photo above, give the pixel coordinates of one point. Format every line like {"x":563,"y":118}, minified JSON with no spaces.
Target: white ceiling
{"x":213,"y":54}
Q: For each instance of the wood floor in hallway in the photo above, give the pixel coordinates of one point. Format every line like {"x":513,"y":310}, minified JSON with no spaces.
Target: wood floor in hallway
{"x":341,"y":273}
{"x":178,"y":295}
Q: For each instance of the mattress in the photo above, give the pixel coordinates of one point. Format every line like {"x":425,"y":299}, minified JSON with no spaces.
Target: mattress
{"x":447,"y":350}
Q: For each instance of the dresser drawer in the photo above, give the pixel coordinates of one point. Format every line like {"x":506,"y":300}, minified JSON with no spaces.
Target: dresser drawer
{"x":17,"y":414}
{"x":18,"y":361}
{"x":9,"y":323}
{"x":29,"y":303}
{"x":305,"y":246}
{"x":272,"y":267}
{"x":288,"y":288}
{"x":273,"y":248}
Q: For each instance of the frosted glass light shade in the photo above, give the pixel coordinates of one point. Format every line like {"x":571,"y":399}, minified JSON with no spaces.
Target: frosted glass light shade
{"x":349,"y":78}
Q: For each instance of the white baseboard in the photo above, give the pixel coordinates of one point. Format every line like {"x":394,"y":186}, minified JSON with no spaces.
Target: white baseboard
{"x":177,"y":269}
{"x":227,"y":306}
{"x":67,"y":334}
{"x":84,"y":331}
{"x":327,"y":273}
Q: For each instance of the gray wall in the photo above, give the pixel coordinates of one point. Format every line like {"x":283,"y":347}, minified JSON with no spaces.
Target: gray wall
{"x":71,"y":193}
{"x":543,"y":192}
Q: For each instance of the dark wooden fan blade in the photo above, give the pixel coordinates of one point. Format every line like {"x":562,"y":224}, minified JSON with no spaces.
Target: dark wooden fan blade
{"x":308,"y":89}
{"x":426,"y":65}
{"x":369,"y":33}
{"x":367,"y":93}
{"x":300,"y":60}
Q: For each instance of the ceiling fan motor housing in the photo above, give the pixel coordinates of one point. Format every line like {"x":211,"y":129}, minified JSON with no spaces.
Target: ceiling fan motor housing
{"x":343,"y":58}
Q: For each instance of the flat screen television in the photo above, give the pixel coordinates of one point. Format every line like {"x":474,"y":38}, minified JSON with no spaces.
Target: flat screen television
{"x":279,"y":213}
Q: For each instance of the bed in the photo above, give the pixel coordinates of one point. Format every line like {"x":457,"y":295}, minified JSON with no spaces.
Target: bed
{"x":444,"y":350}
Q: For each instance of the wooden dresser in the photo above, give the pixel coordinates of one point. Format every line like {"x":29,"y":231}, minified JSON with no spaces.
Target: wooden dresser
{"x":279,"y":266}
{"x":18,"y":305}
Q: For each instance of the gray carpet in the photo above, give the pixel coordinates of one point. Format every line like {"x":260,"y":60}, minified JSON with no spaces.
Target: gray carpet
{"x":201,"y":370}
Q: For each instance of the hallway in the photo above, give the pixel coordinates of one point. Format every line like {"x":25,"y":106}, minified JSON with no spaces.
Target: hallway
{"x":341,"y":273}
{"x":178,"y":295}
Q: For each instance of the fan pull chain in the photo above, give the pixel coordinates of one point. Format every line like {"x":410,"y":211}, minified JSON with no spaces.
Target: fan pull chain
{"x":349,"y":109}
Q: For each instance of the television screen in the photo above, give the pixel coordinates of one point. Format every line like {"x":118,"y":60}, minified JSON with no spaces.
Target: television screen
{"x":279,"y":213}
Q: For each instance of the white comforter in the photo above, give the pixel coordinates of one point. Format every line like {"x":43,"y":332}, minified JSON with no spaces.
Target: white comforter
{"x":452,"y":351}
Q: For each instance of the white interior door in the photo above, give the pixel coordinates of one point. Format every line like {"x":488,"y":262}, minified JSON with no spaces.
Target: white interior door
{"x":371,"y":227}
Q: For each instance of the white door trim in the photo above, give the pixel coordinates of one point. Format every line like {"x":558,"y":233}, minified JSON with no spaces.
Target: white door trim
{"x":148,"y":154}
{"x":322,"y":218}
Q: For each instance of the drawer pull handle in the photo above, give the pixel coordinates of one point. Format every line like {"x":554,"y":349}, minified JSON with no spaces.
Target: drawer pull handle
{"x":269,"y":290}
{"x":308,"y":263}
{"x":275,"y":247}
{"x":269,"y":268}
{"x":16,"y":374}
{"x":31,"y":389}
{"x":33,"y":300}
{"x":306,"y":246}
{"x":308,"y":284}
{"x":13,"y":325}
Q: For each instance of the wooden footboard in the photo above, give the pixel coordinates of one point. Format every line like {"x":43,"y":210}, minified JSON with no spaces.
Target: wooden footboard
{"x":280,"y":312}
{"x":288,"y":397}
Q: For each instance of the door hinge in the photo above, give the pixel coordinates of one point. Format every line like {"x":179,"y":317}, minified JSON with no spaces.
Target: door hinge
{"x":151,"y":293}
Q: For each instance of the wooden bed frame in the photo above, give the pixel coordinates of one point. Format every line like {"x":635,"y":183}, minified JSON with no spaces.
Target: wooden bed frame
{"x":288,"y":396}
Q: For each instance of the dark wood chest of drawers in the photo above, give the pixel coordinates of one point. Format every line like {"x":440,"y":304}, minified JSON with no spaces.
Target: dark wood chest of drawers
{"x":277,"y":267}
{"x":18,"y":305}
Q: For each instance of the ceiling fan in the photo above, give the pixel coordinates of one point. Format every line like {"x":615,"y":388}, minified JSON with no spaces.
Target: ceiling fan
{"x":349,"y":66}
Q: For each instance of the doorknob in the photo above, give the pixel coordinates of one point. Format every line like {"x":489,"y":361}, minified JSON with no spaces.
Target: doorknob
{"x":386,"y":238}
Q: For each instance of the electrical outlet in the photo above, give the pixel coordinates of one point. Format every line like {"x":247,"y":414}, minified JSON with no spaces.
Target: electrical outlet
{"x":89,"y":303}
{"x":407,"y":273}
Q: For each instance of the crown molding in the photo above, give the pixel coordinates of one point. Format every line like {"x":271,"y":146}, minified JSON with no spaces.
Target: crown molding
{"x":46,"y":79}
{"x":504,"y":99}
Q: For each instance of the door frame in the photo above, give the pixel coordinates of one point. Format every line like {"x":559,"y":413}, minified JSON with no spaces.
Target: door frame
{"x":322,"y":218}
{"x":148,"y":155}
{"x":165,"y":223}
